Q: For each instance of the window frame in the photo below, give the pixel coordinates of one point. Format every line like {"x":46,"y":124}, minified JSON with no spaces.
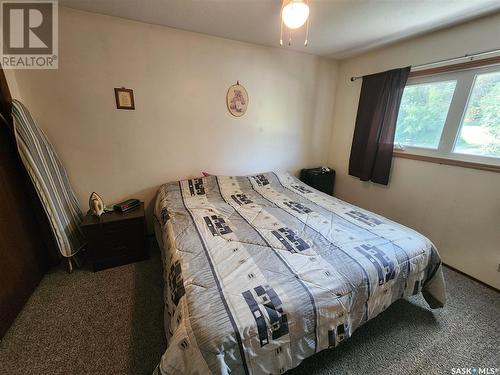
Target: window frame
{"x":456,"y":112}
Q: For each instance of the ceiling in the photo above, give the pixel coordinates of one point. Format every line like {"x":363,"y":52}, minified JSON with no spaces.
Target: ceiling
{"x":339,"y":28}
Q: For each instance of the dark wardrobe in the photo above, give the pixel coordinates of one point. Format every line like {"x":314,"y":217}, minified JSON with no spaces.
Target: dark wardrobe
{"x":27,"y":248}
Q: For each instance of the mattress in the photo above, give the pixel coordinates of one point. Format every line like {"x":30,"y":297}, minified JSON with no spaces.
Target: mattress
{"x":264,"y":271}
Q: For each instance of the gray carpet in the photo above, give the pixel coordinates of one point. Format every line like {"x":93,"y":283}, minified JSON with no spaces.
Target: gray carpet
{"x":111,"y":322}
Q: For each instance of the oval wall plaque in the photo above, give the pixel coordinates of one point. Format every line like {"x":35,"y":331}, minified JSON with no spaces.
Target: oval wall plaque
{"x":237,"y":100}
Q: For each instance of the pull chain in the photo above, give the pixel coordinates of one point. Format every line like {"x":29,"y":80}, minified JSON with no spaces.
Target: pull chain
{"x":281,"y":33}
{"x":307,"y":33}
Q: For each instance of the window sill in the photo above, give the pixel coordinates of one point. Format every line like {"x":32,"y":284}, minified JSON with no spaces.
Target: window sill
{"x":453,"y":162}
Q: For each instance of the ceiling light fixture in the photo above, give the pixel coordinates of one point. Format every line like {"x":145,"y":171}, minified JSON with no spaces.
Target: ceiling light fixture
{"x":294,"y":14}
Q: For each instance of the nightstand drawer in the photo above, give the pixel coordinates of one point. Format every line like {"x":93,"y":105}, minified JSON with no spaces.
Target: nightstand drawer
{"x":122,"y":228}
{"x":113,"y":245}
{"x":118,"y":260}
{"x":112,"y":253}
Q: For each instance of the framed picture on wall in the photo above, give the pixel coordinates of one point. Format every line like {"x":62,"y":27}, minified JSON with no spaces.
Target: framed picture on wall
{"x":124,"y":98}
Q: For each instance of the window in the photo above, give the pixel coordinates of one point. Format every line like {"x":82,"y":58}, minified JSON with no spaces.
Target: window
{"x":423,"y":112}
{"x":453,"y":115}
{"x":480,"y":131}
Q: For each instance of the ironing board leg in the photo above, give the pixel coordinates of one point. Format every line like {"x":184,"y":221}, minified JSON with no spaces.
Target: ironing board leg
{"x":70,"y":265}
{"x":77,"y":261}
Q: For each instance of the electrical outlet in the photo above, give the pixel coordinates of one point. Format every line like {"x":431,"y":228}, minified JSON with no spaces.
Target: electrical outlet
{"x":498,"y":269}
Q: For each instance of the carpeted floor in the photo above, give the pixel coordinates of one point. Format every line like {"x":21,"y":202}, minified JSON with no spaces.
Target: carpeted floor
{"x":111,"y":322}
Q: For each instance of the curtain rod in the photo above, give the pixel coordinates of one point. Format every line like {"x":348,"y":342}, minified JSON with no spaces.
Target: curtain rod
{"x":470,"y":56}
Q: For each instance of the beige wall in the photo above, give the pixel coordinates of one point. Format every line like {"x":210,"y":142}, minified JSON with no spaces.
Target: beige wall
{"x":10,"y":76}
{"x":181,"y":125}
{"x":457,"y":208}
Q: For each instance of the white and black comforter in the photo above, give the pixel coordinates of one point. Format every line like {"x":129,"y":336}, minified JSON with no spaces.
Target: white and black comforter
{"x":264,"y":271}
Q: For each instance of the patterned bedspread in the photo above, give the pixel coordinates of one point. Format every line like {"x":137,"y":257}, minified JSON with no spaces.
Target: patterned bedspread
{"x":263,"y":271}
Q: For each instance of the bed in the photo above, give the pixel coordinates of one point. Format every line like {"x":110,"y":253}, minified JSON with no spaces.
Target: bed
{"x":264,"y":271}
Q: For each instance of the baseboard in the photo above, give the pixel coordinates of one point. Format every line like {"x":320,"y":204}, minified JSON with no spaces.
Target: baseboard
{"x":472,"y":278}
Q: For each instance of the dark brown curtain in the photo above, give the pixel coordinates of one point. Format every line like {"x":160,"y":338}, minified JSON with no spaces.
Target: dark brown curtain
{"x":373,"y":141}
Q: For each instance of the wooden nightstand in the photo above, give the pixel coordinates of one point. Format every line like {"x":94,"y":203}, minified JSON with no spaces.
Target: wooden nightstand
{"x":116,"y":238}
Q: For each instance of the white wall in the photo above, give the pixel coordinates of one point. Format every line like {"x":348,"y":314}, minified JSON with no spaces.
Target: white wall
{"x":181,"y":125}
{"x":457,"y":208}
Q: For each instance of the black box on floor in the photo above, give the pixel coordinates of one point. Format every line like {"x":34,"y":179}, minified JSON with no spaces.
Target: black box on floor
{"x":321,"y":178}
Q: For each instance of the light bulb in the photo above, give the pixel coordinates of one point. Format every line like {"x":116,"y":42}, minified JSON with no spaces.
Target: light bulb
{"x":295,"y":14}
